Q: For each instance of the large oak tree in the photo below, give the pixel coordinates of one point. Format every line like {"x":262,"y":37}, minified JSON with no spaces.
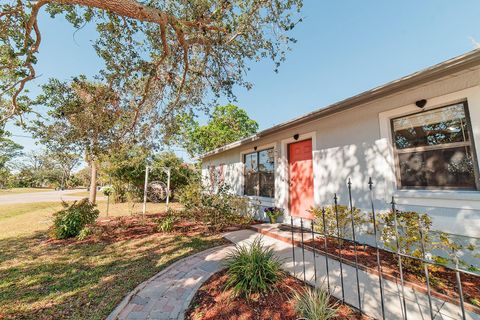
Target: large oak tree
{"x":164,"y":56}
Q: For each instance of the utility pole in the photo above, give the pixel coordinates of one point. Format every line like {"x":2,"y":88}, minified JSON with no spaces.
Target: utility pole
{"x":145,"y":191}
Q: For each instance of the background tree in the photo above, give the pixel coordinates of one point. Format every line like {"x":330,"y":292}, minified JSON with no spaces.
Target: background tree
{"x":65,"y":161}
{"x":181,"y":173}
{"x":162,"y":56}
{"x":9,"y":150}
{"x":82,"y":115}
{"x":81,"y":177}
{"x":227,"y":124}
{"x":37,"y":169}
{"x":124,"y":169}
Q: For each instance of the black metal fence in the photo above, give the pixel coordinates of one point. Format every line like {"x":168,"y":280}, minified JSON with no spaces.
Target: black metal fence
{"x":400,"y":256}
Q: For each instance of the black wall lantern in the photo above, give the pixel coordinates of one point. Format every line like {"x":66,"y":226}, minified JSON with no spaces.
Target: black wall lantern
{"x":296,"y":136}
{"x":421,"y":103}
{"x":255,"y":148}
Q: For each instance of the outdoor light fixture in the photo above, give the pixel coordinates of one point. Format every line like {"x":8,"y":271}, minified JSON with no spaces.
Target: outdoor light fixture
{"x":255,"y":148}
{"x":295,"y":136}
{"x":421,"y":103}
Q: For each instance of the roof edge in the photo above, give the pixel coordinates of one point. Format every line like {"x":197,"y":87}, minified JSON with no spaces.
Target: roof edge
{"x":442,"y":69}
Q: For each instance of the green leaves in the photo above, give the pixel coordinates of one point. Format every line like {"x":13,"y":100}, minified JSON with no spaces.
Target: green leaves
{"x":315,"y":304}
{"x":252,"y":268}
{"x":166,"y":56}
{"x":227,"y":124}
{"x":70,"y":221}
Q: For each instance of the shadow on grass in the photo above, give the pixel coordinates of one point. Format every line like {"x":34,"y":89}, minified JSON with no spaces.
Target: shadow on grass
{"x":45,"y":280}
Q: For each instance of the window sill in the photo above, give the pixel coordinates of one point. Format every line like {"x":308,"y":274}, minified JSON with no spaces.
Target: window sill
{"x":262,"y":200}
{"x":439,"y":198}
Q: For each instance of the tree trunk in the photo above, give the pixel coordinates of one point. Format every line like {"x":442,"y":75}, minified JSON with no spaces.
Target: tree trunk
{"x":93,"y":182}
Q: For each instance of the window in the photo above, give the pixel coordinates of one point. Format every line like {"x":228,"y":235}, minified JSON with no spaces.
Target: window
{"x":433,"y":149}
{"x":259,"y":174}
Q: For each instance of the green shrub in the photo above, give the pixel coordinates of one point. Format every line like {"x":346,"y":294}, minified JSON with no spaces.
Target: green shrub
{"x":314,"y":304}
{"x":73,"y":218}
{"x":409,"y":224}
{"x":84,"y":233}
{"x":453,"y":248}
{"x":191,"y":195}
{"x":344,"y":220}
{"x":252,"y":268}
{"x":166,"y":224}
{"x":107,"y":190}
{"x":216,"y":210}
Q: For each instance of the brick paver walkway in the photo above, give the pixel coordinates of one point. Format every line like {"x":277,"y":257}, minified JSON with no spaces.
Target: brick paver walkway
{"x":167,"y":295}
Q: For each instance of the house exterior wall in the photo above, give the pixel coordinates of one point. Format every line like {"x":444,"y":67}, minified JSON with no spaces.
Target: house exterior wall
{"x":357,"y":144}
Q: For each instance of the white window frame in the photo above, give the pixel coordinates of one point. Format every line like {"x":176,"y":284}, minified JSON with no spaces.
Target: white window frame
{"x":263,"y":200}
{"x":464,"y":199}
{"x":467,"y":143}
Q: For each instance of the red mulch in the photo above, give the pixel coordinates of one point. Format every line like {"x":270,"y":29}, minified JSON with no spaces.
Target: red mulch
{"x":213,"y":302}
{"x":442,"y":280}
{"x":122,"y":228}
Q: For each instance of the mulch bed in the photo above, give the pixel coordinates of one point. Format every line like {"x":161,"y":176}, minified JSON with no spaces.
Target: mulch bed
{"x":442,"y":280}
{"x":137,"y":226}
{"x":213,"y":301}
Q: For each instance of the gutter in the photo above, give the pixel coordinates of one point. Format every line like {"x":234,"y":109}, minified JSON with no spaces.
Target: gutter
{"x":464,"y":62}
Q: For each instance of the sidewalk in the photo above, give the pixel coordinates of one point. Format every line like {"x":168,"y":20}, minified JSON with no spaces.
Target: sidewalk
{"x":168,"y":294}
{"x":417,"y":303}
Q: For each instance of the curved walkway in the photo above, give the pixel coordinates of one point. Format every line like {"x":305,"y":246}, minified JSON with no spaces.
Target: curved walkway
{"x":167,"y":295}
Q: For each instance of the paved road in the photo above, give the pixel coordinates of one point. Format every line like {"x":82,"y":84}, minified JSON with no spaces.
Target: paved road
{"x":47,"y":196}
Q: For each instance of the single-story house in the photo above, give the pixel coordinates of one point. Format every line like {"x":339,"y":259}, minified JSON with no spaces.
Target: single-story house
{"x":417,"y":138}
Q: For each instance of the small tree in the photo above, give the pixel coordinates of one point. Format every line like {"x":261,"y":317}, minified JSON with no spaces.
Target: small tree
{"x":82,"y":115}
{"x":227,"y":124}
{"x":65,"y":161}
{"x":125,"y":170}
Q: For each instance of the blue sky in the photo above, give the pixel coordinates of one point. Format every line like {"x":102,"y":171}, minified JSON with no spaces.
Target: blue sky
{"x":344,"y":48}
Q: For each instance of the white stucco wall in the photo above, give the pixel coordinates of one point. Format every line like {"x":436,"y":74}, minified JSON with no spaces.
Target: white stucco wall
{"x":356,"y":144}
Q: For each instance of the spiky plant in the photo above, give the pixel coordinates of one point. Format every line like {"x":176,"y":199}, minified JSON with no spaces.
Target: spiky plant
{"x":314,"y":304}
{"x":252,"y":268}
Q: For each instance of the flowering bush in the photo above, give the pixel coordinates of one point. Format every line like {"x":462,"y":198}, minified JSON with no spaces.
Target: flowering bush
{"x":273,"y":213}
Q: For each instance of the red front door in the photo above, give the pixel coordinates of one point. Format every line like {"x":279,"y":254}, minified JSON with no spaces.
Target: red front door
{"x":300,"y":169}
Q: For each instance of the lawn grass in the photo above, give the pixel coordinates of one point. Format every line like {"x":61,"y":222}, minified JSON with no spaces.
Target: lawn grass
{"x":82,"y":194}
{"x":22,"y":190}
{"x":27,"y":218}
{"x":44,"y":280}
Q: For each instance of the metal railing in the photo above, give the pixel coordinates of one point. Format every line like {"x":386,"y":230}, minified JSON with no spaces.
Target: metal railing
{"x":400,"y":256}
